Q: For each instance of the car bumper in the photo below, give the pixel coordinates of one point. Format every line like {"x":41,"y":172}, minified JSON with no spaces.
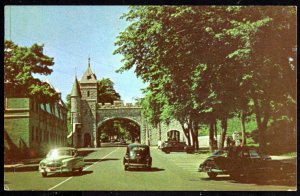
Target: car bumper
{"x":54,"y":170}
{"x":209,"y":169}
{"x":137,"y":164}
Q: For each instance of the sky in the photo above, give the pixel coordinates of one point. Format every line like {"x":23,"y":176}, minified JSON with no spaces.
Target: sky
{"x":72,"y":34}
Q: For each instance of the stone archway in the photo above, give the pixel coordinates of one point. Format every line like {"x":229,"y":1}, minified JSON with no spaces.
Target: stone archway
{"x":133,"y":135}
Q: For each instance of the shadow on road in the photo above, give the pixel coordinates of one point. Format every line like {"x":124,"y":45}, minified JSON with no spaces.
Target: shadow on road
{"x":111,"y":159}
{"x":92,"y":161}
{"x":280,"y":180}
{"x":69,"y":174}
{"x":152,"y":169}
{"x":114,"y":145}
{"x":84,"y":153}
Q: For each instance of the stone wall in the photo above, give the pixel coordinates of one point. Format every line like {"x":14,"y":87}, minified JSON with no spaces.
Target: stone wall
{"x":154,"y":132}
{"x":31,"y":127}
{"x":88,"y":116}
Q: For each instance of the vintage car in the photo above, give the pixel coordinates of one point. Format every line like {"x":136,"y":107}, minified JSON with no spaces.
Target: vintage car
{"x":239,"y":162}
{"x":122,"y":142}
{"x":175,"y":146}
{"x":137,"y":155}
{"x":64,"y":159}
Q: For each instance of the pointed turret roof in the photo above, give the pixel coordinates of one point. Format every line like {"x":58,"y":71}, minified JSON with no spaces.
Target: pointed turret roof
{"x":76,"y":89}
{"x":88,"y":76}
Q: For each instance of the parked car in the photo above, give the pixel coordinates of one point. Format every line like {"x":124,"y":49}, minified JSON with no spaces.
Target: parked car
{"x":59,"y":160}
{"x":242,"y":162}
{"x":175,"y":146}
{"x":123,"y":142}
{"x":137,"y":155}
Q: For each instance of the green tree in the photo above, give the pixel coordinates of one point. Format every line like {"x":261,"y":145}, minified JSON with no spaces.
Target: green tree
{"x":20,"y":65}
{"x":106,"y":91}
{"x":208,"y":61}
{"x":268,"y":37}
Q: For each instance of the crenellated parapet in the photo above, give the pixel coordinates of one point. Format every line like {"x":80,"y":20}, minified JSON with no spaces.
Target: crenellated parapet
{"x":118,"y":104}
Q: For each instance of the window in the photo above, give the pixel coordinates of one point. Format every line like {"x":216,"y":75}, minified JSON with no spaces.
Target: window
{"x":88,"y":93}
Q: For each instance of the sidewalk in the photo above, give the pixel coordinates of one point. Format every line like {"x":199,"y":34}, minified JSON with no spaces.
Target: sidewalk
{"x":25,"y":165}
{"x":285,"y":159}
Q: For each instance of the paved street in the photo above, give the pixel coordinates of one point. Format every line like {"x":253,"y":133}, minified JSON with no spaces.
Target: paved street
{"x":104,"y":171}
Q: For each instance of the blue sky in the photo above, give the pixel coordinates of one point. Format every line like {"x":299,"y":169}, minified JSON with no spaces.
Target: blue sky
{"x":71,"y":34}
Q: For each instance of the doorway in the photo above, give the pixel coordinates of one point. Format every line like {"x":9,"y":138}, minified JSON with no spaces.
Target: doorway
{"x":87,"y":140}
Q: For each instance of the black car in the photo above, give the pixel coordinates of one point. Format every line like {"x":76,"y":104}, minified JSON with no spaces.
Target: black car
{"x":240,"y":162}
{"x":123,"y":142}
{"x":175,"y":146}
{"x":137,"y":155}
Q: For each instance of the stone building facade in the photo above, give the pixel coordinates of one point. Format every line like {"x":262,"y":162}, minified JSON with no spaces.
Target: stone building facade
{"x":35,"y":127}
{"x":87,"y":115}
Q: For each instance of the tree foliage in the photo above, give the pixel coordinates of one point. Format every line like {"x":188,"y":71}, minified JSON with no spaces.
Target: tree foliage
{"x":208,"y":63}
{"x":106,"y":91}
{"x":20,"y":65}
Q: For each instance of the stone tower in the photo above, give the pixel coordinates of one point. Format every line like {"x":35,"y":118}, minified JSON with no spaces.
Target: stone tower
{"x":88,"y":87}
{"x":76,"y":113}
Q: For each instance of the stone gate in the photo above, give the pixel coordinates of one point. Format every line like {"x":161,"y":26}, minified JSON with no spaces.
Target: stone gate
{"x":87,"y":115}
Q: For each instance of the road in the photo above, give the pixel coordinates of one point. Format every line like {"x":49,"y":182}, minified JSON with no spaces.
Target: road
{"x":104,"y":171}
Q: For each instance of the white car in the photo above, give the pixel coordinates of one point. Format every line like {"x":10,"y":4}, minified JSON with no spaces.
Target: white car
{"x":59,"y":160}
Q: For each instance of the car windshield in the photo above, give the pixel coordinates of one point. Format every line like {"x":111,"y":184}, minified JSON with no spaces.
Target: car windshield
{"x":56,"y":153}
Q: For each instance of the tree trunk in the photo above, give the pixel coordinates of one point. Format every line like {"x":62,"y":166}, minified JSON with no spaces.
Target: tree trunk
{"x":243,"y":119}
{"x":261,"y":124}
{"x":187,"y":134}
{"x":216,"y":131}
{"x":223,"y":134}
{"x":211,"y":136}
{"x":195,"y":136}
{"x":159,"y":131}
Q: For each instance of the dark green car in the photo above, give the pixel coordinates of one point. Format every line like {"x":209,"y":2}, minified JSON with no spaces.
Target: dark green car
{"x":241,"y":162}
{"x":176,"y":146}
{"x":137,"y":155}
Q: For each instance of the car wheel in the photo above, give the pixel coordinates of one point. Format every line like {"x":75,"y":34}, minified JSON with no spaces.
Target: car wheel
{"x":44,"y":174}
{"x":212,"y":174}
{"x":125,"y":167}
{"x":167,"y":152}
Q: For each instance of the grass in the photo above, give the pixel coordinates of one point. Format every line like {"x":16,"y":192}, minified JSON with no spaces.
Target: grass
{"x":233,"y":125}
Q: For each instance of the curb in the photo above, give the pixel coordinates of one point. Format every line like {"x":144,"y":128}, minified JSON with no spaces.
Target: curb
{"x":21,"y":168}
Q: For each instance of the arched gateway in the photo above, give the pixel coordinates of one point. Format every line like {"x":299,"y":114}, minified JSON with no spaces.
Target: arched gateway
{"x":87,"y":115}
